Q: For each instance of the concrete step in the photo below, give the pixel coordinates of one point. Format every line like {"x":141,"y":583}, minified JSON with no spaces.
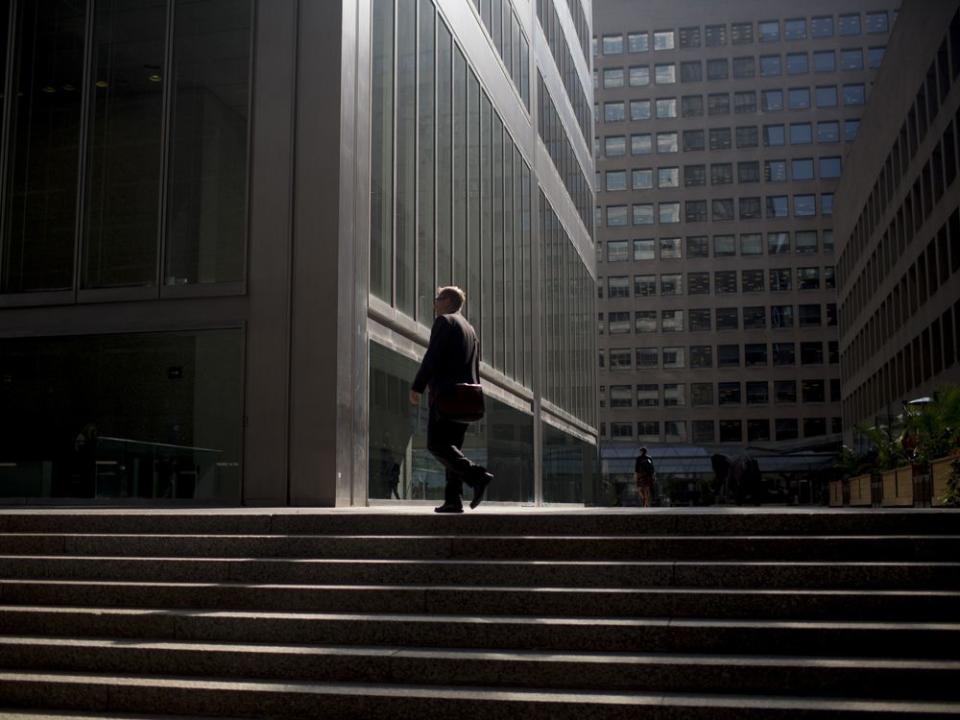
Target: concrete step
{"x":264,"y":699}
{"x":563,"y":634}
{"x":932,"y":605}
{"x":610,"y":672}
{"x":488,"y":521}
{"x":610,"y":574}
{"x":505,"y":547}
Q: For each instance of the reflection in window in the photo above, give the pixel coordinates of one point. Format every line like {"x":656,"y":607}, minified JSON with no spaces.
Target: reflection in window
{"x":638,"y":42}
{"x":824,"y":61}
{"x":826,"y":96}
{"x":769,"y":30}
{"x":828,"y":131}
{"x":639,"y":76}
{"x":849,"y":24}
{"x":663,"y":40}
{"x":821,"y":27}
{"x":665,"y":74}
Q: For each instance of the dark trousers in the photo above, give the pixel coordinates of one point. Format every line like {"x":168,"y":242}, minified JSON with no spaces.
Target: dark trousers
{"x":444,"y":441}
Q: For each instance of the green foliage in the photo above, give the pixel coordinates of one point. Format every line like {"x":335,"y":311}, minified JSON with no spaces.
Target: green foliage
{"x":952,"y":496}
{"x":888,"y":452}
{"x":933,"y":428}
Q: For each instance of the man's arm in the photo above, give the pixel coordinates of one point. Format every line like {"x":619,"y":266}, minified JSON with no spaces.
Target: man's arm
{"x":428,"y":366}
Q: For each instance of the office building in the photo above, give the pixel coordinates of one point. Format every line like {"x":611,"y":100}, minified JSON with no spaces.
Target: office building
{"x":722,"y":131}
{"x":898,"y":225}
{"x":224,"y":223}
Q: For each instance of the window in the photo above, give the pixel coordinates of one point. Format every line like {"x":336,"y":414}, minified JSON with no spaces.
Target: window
{"x":751,"y":244}
{"x":755,"y":318}
{"x":728,"y":319}
{"x":828,"y":241}
{"x":671,"y":321}
{"x":784,"y":354}
{"x":824,"y":61}
{"x":809,"y":315}
{"x":741,"y":33}
{"x":777,"y":206}
{"x":691,"y":71}
{"x":719,"y":138}
{"x":716,"y":35}
{"x":814,"y":427}
{"x":785,"y":391}
{"x":701,"y":356}
{"x":806,"y":242}
{"x":669,"y":212}
{"x":748,"y":172}
{"x":724,"y":246}
{"x":771,"y":100}
{"x":645,"y":321}
{"x":618,"y":287}
{"x":849,"y":24}
{"x":850,"y":128}
{"x":722,"y":209}
{"x":781,"y":316}
{"x":750,"y":208}
{"x":644,"y":250}
{"x":616,"y":180}
{"x":691,"y":105}
{"x":648,"y":431}
{"x":613,"y":77}
{"x":770,"y":66}
{"x":674,"y":358}
{"x":699,"y":320}
{"x":811,"y":353}
{"x":876,"y":22}
{"x":668,"y":177}
{"x":701,"y":395}
{"x":728,"y":393}
{"x":618,"y":323}
{"x":718,"y":104}
{"x":613,"y":112}
{"x":773,"y":135}
{"x":828,"y":132}
{"x":775,"y":171}
{"x":663,"y":40}
{"x":851,"y":59}
{"x":744,"y":67}
{"x":638,"y":42}
{"x":616,"y":215}
{"x":751,"y":281}
{"x":671,"y":248}
{"x":621,"y":430}
{"x":755,"y":355}
{"x":786,"y":428}
{"x":830,"y":167}
{"x":821,"y":27}
{"x":612,"y":44}
{"x":641,"y":179}
{"x":690,"y":37}
{"x":667,"y":142}
{"x":618,"y":250}
{"x":781,"y":279}
{"x":621,"y":396}
{"x":614,"y":145}
{"x":639,"y":75}
{"x":648,"y":357}
{"x":641,"y":144}
{"x":665,"y":74}
{"x":645,"y":286}
{"x":808,"y":278}
{"x":798,"y":98}
{"x":812,"y":391}
{"x":694,"y":175}
{"x":698,"y":246}
{"x":875,"y":57}
{"x":698,"y":283}
{"x":801,"y":169}
{"x":648,"y":395}
{"x":745,"y":101}
{"x":797,"y":64}
{"x":728,"y":356}
{"x":829,"y":277}
{"x":721,"y":173}
{"x":671,"y":284}
{"x":666,"y":107}
{"x":757,"y":430}
{"x":826,"y":96}
{"x":854,"y":94}
{"x":769,"y":30}
{"x":804,"y":205}
{"x":747,"y":136}
{"x":640,"y":110}
{"x":643,"y":214}
{"x":718,"y":69}
{"x":795,"y":29}
{"x":801,"y":133}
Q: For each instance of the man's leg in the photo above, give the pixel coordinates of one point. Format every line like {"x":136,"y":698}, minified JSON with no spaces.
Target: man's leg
{"x":444,"y":441}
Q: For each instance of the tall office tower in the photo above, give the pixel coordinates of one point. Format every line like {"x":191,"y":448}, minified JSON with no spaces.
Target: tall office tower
{"x":898,"y":224}
{"x":223,"y":224}
{"x":721,"y":135}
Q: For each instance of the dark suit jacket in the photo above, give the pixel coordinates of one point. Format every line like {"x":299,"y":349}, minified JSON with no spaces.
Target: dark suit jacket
{"x":452,"y":357}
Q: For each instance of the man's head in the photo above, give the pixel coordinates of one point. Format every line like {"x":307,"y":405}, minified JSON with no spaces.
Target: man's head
{"x":643,"y":451}
{"x":449,"y":299}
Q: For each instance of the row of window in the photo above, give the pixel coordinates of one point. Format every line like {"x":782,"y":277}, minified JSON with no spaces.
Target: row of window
{"x":774,"y":171}
{"x":727,"y":393}
{"x":938,"y":172}
{"x":742,"y":33}
{"x":701,"y":356}
{"x":746,"y":67}
{"x":558,"y":145}
{"x":580,"y":24}
{"x":698,"y":246}
{"x":557,"y":41}
{"x":721,"y":210}
{"x":704,"y":431}
{"x":728,"y":318}
{"x":722,"y":138}
{"x":510,"y":41}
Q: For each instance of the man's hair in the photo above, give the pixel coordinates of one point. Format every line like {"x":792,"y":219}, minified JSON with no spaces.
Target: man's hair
{"x":454,"y":294}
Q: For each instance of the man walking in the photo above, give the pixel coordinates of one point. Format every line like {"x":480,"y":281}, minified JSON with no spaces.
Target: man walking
{"x":453,"y":357}
{"x":645,"y":475}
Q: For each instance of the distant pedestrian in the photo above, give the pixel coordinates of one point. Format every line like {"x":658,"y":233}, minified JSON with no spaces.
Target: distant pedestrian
{"x":451,"y":370}
{"x":646,"y":475}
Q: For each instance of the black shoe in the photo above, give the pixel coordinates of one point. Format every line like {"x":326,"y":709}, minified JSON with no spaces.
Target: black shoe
{"x":479,"y":487}
{"x":449,"y":508}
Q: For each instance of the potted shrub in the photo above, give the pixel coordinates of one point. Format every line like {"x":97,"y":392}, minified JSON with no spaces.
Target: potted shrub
{"x":932,"y":432}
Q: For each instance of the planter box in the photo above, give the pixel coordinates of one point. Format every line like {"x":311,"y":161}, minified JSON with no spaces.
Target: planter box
{"x":860,"y":490}
{"x":898,"y":487}
{"x":941,"y":469}
{"x":836,"y":493}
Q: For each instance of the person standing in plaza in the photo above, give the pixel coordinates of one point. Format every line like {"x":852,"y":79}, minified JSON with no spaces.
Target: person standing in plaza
{"x":646,"y":475}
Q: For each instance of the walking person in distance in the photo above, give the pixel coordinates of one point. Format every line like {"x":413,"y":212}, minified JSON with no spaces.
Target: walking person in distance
{"x":451,"y":371}
{"x":645,"y":475}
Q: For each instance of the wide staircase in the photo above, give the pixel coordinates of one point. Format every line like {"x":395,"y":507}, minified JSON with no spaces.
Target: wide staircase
{"x":531,"y":615}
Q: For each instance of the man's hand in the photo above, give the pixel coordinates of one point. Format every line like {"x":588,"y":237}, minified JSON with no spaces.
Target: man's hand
{"x":414,"y":397}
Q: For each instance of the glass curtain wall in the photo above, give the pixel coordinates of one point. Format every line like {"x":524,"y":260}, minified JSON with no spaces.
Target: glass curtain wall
{"x":154,"y":122}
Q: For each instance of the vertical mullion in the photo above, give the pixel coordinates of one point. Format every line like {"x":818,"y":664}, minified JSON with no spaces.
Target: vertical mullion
{"x":436,"y":140}
{"x":166,"y":148}
{"x":85,"y":110}
{"x":393,"y":164}
{"x":415,"y":240}
{"x":6,"y":86}
{"x":453,"y":153}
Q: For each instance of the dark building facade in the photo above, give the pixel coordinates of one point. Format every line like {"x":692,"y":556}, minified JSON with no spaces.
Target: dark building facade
{"x":898,"y":225}
{"x":222,"y":224}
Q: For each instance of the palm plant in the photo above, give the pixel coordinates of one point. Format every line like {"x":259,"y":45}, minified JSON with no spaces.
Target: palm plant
{"x":934,"y":427}
{"x":887,"y":444}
